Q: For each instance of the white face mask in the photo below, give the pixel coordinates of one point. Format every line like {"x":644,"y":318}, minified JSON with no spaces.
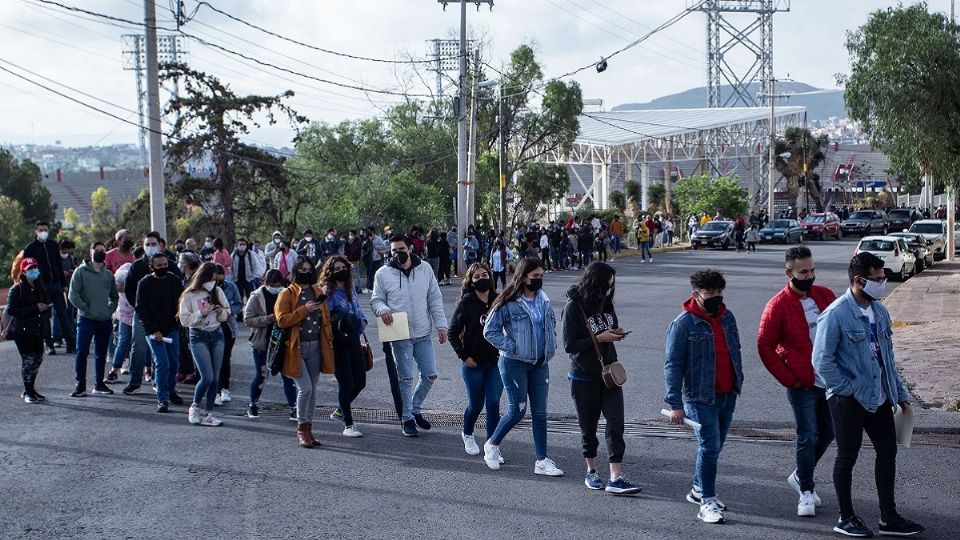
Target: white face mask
{"x":875,"y":290}
{"x":150,"y":251}
{"x":242,"y":247}
{"x":208,"y":245}
{"x":209,"y":285}
{"x":274,"y":290}
{"x":308,"y":238}
{"x":43,"y":235}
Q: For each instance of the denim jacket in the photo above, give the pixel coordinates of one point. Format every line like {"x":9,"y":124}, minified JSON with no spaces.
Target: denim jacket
{"x":690,"y":369}
{"x":843,"y":360}
{"x":510,"y":329}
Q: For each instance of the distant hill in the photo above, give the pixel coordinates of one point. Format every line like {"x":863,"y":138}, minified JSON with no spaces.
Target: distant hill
{"x":819,"y":106}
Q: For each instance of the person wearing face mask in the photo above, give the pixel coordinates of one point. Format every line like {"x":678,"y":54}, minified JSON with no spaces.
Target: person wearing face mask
{"x":270,"y":250}
{"x":785,"y":343}
{"x":94,"y":293}
{"x":285,"y":259}
{"x":256,"y":251}
{"x":123,"y":326}
{"x":206,"y":253}
{"x":220,"y":255}
{"x":854,"y":361}
{"x":29,"y":308}
{"x":349,"y":323}
{"x":522,"y":326}
{"x":310,"y":247}
{"x":157,"y":303}
{"x":230,"y":332}
{"x":302,"y":309}
{"x":329,"y":246}
{"x":351,"y":250}
{"x":45,"y":251}
{"x":189,"y":263}
{"x":259,"y":317}
{"x":480,"y":373}
{"x":245,"y":269}
{"x":122,"y":254}
{"x":203,"y":307}
{"x":703,"y":376}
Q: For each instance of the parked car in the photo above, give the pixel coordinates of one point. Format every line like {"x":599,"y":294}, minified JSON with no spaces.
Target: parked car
{"x":934,"y":230}
{"x":782,"y":230}
{"x":900,"y":219}
{"x":864,"y":222}
{"x":822,"y":225}
{"x":898,"y":261}
{"x":921,"y":248}
{"x":713,"y":234}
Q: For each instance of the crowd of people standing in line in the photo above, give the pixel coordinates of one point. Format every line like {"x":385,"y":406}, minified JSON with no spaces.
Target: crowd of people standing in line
{"x":834,"y":355}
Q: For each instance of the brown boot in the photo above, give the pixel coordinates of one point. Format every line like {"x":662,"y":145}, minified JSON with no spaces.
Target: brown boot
{"x":316,"y":442}
{"x":303,"y":435}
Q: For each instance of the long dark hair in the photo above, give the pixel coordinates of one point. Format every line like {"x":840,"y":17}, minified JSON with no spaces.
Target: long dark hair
{"x":513,"y":289}
{"x":326,"y":275}
{"x":467,"y":285}
{"x":204,"y":274}
{"x":591,"y":291}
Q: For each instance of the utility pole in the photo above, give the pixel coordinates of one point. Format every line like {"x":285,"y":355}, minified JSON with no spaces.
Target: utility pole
{"x":502,"y":124}
{"x":472,"y":152}
{"x":158,"y":211}
{"x":951,"y":193}
{"x":773,"y":157}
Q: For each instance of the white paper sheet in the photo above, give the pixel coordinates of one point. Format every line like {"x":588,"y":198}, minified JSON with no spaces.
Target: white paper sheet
{"x":903,"y":422}
{"x":397,"y":331}
{"x":687,"y":421}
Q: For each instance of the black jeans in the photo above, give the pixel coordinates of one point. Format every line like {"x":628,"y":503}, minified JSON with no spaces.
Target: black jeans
{"x":394,"y":379}
{"x":501,"y":277}
{"x":593,"y":398}
{"x":850,"y":420}
{"x":229,"y":340}
{"x":350,"y":369}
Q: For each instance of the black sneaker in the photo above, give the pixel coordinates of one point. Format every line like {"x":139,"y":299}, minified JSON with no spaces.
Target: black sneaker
{"x":253,"y":411}
{"x":293,"y":414}
{"x":79,"y":391}
{"x":102,"y":389}
{"x":410,"y":428}
{"x":422,"y":422}
{"x":38,"y":396}
{"x":900,"y":526}
{"x":175,"y":398}
{"x":130,"y":390}
{"x":163,"y":407}
{"x":30,"y":398}
{"x":853,"y":526}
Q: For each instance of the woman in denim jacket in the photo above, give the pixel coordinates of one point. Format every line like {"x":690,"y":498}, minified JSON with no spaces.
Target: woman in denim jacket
{"x":522,"y":326}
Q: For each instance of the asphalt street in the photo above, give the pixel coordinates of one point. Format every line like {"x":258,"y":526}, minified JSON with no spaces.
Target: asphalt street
{"x":110,"y":467}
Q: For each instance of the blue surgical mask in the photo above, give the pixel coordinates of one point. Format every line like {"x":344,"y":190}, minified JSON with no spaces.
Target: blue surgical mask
{"x":150,"y":251}
{"x":33,"y":274}
{"x":274,"y":290}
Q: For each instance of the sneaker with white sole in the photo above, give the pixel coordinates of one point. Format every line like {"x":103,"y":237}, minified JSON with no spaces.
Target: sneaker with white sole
{"x":547,"y":467}
{"x":211,"y":420}
{"x":806,"y":507}
{"x":696,"y":497}
{"x":225,"y":395}
{"x":710,"y":512}
{"x":218,"y":401}
{"x":470,"y":444}
{"x":193,"y":415}
{"x":592,"y":480}
{"x":794,"y":482}
{"x":491,"y":455}
{"x":352,"y":431}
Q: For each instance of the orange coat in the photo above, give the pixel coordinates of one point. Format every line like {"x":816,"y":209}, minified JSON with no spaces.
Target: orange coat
{"x":616,"y":228}
{"x":289,"y":315}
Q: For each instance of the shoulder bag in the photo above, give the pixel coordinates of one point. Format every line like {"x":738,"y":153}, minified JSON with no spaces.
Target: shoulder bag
{"x":614,"y":374}
{"x":367,"y":351}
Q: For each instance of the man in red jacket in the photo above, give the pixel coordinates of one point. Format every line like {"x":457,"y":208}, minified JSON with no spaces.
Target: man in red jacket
{"x":785,"y":343}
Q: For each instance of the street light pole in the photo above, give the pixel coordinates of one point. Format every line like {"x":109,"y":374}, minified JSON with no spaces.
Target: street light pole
{"x":502,"y":124}
{"x":462,"y":142}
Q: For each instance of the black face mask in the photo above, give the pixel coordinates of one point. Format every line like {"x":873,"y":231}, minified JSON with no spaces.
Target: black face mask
{"x":161,"y":272}
{"x":99,"y":256}
{"x":482,"y":286}
{"x":341,"y":275}
{"x":712,"y":304}
{"x":307,"y":278}
{"x":535,"y":284}
{"x":127,"y":245}
{"x":802,"y":285}
{"x":402,"y":257}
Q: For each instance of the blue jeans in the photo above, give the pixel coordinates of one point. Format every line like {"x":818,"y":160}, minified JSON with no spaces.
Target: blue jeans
{"x":122,"y":349}
{"x":62,"y":322}
{"x":714,"y":423}
{"x":99,"y":332}
{"x":260,"y":372}
{"x":615,"y":240}
{"x":484,"y":387}
{"x":814,"y":430}
{"x":405,"y":353}
{"x":166,"y":362}
{"x":645,"y":250}
{"x":207,"y":350}
{"x":520,"y":380}
{"x":138,"y":353}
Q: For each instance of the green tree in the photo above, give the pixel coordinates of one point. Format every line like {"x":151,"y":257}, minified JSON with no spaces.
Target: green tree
{"x":14,"y":235}
{"x":618,"y":200}
{"x":23,"y":182}
{"x":701,"y":194}
{"x":805,"y":149}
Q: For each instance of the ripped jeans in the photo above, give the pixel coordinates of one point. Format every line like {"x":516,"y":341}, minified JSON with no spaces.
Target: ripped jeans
{"x":520,"y":380}
{"x":407,"y":352}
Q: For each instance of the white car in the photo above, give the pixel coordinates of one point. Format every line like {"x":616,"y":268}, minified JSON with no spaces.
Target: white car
{"x":898,"y":260}
{"x":934,"y":230}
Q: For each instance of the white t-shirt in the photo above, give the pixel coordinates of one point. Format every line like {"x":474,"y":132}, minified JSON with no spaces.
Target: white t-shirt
{"x":811,"y":312}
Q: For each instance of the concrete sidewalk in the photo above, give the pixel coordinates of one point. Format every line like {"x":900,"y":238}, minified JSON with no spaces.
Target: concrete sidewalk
{"x":926,"y":315}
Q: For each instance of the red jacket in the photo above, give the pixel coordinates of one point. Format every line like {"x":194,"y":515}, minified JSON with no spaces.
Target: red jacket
{"x":784,"y":336}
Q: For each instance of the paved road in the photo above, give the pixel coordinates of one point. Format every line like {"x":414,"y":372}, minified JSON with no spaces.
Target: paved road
{"x":109,"y":467}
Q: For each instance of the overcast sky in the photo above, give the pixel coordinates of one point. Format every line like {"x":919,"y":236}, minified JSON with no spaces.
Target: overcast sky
{"x":85,"y":54}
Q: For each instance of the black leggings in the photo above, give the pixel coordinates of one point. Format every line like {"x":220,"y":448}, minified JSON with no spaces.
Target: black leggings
{"x":502,"y":276}
{"x":228,"y":341}
{"x":351,"y":372}
{"x":850,"y":420}
{"x":30,"y":348}
{"x":593,"y":398}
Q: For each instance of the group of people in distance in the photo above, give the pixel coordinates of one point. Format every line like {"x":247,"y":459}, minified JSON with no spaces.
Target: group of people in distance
{"x":834,"y":355}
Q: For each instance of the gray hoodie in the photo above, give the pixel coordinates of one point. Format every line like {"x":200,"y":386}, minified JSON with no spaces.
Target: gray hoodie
{"x":416,"y":294}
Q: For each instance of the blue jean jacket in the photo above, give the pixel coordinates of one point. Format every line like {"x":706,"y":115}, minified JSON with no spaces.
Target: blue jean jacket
{"x":843,"y":360}
{"x":690,"y":367}
{"x":510,"y":329}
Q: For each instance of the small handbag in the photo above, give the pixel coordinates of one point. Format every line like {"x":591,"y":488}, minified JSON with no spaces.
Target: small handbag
{"x":614,"y":374}
{"x":275,"y":349}
{"x":367,"y":351}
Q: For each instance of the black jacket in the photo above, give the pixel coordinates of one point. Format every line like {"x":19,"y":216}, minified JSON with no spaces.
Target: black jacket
{"x":139,"y":270}
{"x":158,"y":302}
{"x":579,"y":345}
{"x":466,"y":330}
{"x":22,"y":300}
{"x":47,"y":255}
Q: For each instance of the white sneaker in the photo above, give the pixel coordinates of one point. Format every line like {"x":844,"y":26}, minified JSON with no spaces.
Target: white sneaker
{"x":710,"y":512}
{"x":816,"y":499}
{"x":547,"y":467}
{"x":470,"y":444}
{"x":193,"y":415}
{"x":794,"y":482}
{"x":352,"y":431}
{"x":224,"y":395}
{"x":218,"y":401}
{"x":491,"y":455}
{"x":211,"y":420}
{"x":806,"y":506}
